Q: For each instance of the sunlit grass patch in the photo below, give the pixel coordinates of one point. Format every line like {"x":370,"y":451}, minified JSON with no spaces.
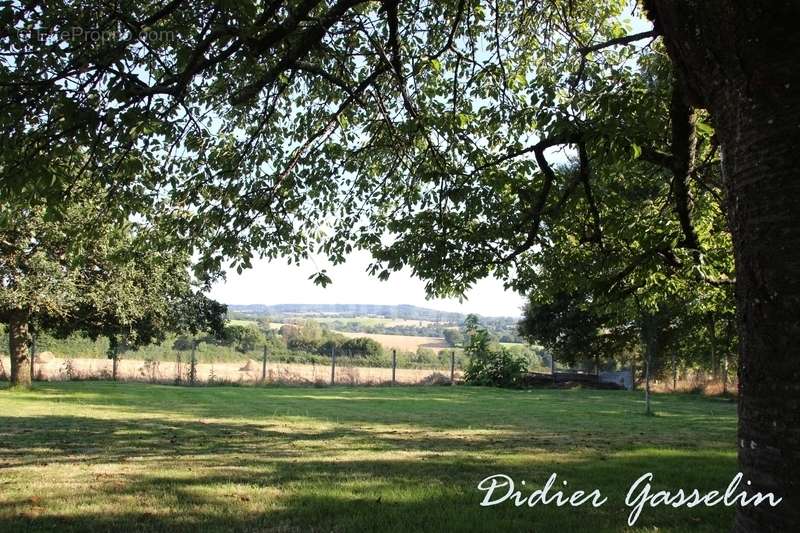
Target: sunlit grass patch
{"x":99,"y":456}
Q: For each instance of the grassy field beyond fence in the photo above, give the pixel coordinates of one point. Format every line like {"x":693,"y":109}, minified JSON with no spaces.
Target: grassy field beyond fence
{"x":95,"y":456}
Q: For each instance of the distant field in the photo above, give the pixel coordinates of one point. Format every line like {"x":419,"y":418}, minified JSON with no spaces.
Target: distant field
{"x":242,"y":322}
{"x":375,"y":321}
{"x":365,"y":320}
{"x":510,"y":344}
{"x":93,"y":456}
{"x":406,"y":343}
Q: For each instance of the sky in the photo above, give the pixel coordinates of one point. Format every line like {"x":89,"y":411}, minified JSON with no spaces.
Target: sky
{"x":278,"y":283}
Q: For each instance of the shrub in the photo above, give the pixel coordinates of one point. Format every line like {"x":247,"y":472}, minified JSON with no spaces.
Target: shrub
{"x":436,"y":378}
{"x":362,"y":347}
{"x":68,"y":371}
{"x":496,"y":368}
{"x":489,"y":364}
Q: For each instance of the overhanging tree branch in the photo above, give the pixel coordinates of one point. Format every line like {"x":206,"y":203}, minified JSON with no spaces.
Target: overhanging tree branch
{"x":584,"y":175}
{"x":684,"y":143}
{"x":627,"y":39}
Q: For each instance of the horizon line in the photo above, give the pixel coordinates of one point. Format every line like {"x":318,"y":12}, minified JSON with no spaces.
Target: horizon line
{"x":374,"y":304}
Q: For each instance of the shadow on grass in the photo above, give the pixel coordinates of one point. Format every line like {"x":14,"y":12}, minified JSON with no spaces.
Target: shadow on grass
{"x":290,"y":463}
{"x":435,"y":408}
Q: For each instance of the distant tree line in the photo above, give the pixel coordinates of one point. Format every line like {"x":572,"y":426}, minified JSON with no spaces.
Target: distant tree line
{"x":501,"y":329}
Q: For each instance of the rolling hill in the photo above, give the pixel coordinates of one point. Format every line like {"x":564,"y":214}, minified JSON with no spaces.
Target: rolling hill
{"x":410,"y":312}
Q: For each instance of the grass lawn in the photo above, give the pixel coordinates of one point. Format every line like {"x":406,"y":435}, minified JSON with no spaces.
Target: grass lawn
{"x":94,"y":456}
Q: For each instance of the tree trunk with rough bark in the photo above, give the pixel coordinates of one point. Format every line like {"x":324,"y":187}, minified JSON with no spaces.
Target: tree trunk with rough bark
{"x":739,"y":60}
{"x":18,"y":349}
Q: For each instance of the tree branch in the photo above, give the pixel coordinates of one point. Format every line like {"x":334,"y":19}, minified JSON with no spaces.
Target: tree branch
{"x":684,"y":142}
{"x":534,"y":218}
{"x":656,"y":157}
{"x":584,"y":174}
{"x":627,"y":39}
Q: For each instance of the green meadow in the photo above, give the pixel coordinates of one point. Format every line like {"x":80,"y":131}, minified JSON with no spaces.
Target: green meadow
{"x":99,"y":456}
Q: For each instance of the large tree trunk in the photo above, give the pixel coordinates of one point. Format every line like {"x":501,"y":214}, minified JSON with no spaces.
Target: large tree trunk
{"x":18,"y":349}
{"x":739,"y":60}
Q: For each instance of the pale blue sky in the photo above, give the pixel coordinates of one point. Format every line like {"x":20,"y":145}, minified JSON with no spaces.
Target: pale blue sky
{"x":278,"y":283}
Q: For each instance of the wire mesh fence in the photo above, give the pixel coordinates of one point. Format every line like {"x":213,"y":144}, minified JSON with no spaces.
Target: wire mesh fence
{"x":185,"y":369}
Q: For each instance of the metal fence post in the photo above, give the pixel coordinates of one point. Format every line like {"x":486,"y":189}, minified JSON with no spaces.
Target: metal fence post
{"x":394,"y":366}
{"x":453,"y":367}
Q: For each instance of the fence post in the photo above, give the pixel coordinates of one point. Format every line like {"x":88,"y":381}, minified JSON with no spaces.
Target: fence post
{"x":178,"y":377}
{"x":553,"y":367}
{"x":333,"y":365}
{"x":394,"y":366}
{"x":453,"y":367}
{"x":193,"y":363}
{"x":114,"y":365}
{"x":264,"y":366}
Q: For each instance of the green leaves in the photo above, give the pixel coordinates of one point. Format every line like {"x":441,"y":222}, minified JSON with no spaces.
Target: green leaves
{"x":321,"y":278}
{"x":420,"y":151}
{"x":636,"y":150}
{"x":704,"y":128}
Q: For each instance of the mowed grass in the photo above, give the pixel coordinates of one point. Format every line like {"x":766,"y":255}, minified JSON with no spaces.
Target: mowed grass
{"x":94,"y":456}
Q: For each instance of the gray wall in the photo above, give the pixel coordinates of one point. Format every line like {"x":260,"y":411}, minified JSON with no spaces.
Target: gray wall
{"x":623,"y":377}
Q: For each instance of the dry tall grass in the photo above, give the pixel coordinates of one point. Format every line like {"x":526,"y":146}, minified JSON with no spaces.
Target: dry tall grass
{"x":60,"y":369}
{"x":696,"y":385}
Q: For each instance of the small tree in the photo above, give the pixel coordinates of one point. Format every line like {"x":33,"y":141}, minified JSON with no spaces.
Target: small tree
{"x":489,"y":364}
{"x":453,"y":336}
{"x":243,"y":338}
